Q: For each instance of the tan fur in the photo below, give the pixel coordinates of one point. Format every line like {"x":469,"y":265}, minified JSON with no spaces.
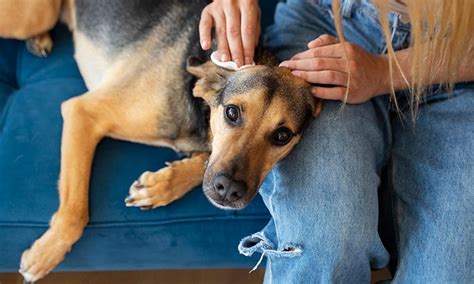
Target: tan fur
{"x":260,"y":122}
{"x":168,"y":184}
{"x":23,"y":19}
{"x":30,"y":20}
{"x":68,"y":13}
{"x":87,"y":119}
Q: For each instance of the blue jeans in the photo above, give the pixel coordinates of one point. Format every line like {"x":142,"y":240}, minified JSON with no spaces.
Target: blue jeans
{"x":323,"y":196}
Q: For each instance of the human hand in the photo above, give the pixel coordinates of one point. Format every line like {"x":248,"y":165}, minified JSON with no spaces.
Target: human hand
{"x":237,"y":26}
{"x":325,"y":63}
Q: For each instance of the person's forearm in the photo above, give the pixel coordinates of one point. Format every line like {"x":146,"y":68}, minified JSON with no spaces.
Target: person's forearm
{"x":465,"y":72}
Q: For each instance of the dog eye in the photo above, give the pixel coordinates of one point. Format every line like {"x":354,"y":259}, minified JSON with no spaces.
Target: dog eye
{"x":232,"y":114}
{"x":282,"y":136}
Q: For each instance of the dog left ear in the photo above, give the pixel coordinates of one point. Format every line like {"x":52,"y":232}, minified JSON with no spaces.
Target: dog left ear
{"x":194,"y":65}
{"x":212,"y":78}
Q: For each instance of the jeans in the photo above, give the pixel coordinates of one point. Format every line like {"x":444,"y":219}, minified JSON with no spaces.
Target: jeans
{"x":323,"y":196}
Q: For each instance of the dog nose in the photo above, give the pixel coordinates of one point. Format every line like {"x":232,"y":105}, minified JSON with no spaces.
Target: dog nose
{"x":229,"y":189}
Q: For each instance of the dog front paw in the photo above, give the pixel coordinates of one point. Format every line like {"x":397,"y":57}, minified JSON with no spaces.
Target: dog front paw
{"x":153,"y":189}
{"x":43,"y":256}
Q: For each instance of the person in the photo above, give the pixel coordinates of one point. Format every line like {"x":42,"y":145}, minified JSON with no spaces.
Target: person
{"x":397,"y":80}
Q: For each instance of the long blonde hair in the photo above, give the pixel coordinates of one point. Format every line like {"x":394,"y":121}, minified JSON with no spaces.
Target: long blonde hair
{"x":442,"y":34}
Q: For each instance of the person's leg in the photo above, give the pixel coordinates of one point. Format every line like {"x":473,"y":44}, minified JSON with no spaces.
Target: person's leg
{"x":324,"y":201}
{"x":323,"y":196}
{"x":433,"y":163}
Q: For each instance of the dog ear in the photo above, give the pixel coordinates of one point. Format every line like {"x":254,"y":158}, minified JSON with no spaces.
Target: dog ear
{"x":211,"y":78}
{"x":194,"y":65}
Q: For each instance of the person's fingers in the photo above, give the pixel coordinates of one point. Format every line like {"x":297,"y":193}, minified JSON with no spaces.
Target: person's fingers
{"x":323,"y":40}
{"x":249,"y":33}
{"x":205,"y":27}
{"x":326,"y":77}
{"x":223,"y":52}
{"x":334,"y":93}
{"x":316,"y":64}
{"x":333,"y":50}
{"x":234,"y":38}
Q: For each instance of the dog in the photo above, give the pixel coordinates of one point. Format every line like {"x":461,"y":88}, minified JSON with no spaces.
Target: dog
{"x":149,"y":82}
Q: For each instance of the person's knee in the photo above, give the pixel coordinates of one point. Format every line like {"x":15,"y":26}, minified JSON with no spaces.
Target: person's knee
{"x":343,"y":149}
{"x":321,"y":227}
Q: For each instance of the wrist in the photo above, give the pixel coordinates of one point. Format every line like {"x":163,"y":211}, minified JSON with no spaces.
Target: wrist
{"x":398,"y":79}
{"x":384,"y":85}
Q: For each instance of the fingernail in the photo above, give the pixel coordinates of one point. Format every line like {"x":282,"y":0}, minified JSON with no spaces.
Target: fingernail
{"x":283,"y":64}
{"x":224,"y":57}
{"x":296,"y":73}
{"x":238,"y":63}
{"x":248,"y":60}
{"x":205,"y":44}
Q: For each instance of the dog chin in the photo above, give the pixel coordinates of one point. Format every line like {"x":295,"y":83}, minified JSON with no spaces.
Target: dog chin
{"x":225,"y":205}
{"x":219,"y":205}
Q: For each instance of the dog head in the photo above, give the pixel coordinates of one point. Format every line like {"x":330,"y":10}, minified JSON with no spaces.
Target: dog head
{"x":257,"y":116}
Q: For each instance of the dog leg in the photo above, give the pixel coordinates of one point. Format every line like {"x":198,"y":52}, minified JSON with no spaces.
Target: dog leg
{"x":40,"y":45}
{"x":109,"y":111}
{"x":82,"y":130}
{"x":154,"y":189}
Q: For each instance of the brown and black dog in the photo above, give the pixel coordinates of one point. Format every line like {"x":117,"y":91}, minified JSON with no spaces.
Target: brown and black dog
{"x":149,"y":82}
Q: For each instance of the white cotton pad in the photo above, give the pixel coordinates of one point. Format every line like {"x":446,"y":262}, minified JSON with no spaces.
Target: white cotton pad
{"x":229,"y":65}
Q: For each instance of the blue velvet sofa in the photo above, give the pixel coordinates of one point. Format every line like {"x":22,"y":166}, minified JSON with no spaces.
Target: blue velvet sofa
{"x":190,"y":233}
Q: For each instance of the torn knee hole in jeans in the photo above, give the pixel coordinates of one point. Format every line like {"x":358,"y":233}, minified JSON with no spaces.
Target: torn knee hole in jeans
{"x":259,"y":243}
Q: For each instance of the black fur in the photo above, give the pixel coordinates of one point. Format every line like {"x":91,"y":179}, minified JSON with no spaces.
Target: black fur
{"x":120,"y":23}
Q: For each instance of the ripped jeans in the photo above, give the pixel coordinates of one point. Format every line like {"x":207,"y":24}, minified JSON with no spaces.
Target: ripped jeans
{"x":323,"y":196}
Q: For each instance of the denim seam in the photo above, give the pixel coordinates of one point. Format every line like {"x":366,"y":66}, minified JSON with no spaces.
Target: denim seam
{"x":396,"y":211}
